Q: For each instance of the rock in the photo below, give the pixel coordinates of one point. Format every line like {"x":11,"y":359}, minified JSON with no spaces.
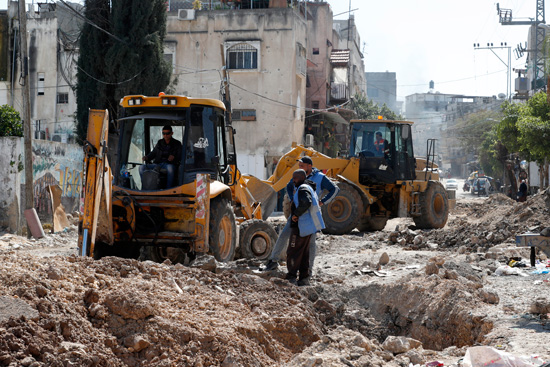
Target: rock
{"x":402,"y":242}
{"x":41,"y":291}
{"x":432,"y":245}
{"x":129,"y":306}
{"x":205,"y":262}
{"x":91,"y":296}
{"x":450,"y":274}
{"x":69,"y":346}
{"x":136,"y":342}
{"x":418,"y":240}
{"x":27,"y":361}
{"x":325,"y":307}
{"x":490,"y":237}
{"x":400,"y":344}
{"x":16,"y":308}
{"x":230,"y":361}
{"x":431,"y":268}
{"x":438,"y":260}
{"x":384,"y":259}
{"x":462,"y":249}
{"x":362,"y":342}
{"x":415,"y":357}
{"x":54,"y":273}
{"x":541,"y":306}
{"x":488,"y":297}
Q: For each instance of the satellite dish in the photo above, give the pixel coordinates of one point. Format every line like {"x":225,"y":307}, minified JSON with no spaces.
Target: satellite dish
{"x":501,"y":95}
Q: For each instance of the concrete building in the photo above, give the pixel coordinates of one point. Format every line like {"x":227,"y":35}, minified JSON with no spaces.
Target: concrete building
{"x":52,"y":39}
{"x":436,"y":113}
{"x":382,"y":89}
{"x":335,"y":73}
{"x":264,"y":50}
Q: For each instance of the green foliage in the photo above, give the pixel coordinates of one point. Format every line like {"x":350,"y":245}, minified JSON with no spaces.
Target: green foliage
{"x":488,"y":154}
{"x":90,"y":92}
{"x":10,"y":122}
{"x":369,"y":110}
{"x":473,"y":128}
{"x":525,"y":128}
{"x":131,"y":62}
{"x":139,"y":62}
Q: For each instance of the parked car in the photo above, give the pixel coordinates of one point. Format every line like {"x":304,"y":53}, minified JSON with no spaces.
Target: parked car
{"x":452,"y":184}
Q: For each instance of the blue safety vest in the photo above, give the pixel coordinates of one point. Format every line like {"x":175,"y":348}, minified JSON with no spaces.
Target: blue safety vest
{"x":312,"y":220}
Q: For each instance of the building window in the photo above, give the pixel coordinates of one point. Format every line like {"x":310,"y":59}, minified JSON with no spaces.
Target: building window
{"x":242,"y":56}
{"x":169,"y":58}
{"x":40,"y":85}
{"x":315,"y":104}
{"x":244,"y":115}
{"x":62,"y":98}
{"x":316,"y":51}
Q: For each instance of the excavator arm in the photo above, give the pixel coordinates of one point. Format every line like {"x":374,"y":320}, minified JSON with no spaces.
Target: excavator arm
{"x":96,"y":215}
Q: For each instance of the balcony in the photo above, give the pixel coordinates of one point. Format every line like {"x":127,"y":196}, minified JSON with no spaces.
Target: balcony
{"x":339,"y":91}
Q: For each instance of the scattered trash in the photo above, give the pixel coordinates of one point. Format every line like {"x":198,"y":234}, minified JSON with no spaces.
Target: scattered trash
{"x":507,"y":270}
{"x":435,"y":364}
{"x":488,"y":356}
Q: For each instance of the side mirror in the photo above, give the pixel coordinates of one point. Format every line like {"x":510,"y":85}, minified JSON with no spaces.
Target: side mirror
{"x":405,"y":132}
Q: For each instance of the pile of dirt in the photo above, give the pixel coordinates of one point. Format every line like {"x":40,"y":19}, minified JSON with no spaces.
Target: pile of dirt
{"x":115,"y":312}
{"x":482,"y":224}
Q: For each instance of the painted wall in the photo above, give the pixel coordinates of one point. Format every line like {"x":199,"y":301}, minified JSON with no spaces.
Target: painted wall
{"x":56,"y":164}
{"x":10,"y":194}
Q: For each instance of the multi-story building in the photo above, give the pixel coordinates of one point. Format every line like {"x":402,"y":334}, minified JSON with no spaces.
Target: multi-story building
{"x":265,"y":57}
{"x":382,"y":89}
{"x":435,"y":114}
{"x":52,"y":37}
{"x":335,"y":73}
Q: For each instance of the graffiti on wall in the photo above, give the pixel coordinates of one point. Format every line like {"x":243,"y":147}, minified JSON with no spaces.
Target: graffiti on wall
{"x":56,"y":164}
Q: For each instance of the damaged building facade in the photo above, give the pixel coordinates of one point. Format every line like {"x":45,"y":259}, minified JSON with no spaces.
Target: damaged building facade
{"x":265,"y":57}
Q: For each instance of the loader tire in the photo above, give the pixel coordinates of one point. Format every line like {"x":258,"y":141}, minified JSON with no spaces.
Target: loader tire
{"x":223,"y":230}
{"x":434,"y":207}
{"x":372,"y":224}
{"x":257,"y":239}
{"x":160,"y":254}
{"x":343,"y":213}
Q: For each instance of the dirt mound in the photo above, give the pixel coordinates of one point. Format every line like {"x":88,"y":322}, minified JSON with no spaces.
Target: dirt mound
{"x":482,"y":224}
{"x":439,"y":309}
{"x":120,"y":312}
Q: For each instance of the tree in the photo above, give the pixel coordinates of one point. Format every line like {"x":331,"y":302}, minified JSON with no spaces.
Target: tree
{"x":90,"y":91}
{"x":471,"y":129}
{"x":10,"y":122}
{"x":126,"y":60}
{"x":369,"y":110}
{"x":137,"y":65}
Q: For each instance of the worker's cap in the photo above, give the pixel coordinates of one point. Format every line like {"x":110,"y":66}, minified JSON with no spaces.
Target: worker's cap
{"x":306,"y":160}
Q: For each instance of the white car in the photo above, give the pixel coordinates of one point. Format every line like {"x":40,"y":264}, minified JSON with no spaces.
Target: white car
{"x":452,"y":184}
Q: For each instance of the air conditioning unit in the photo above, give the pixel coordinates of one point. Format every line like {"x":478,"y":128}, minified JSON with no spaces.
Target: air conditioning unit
{"x":309,"y":140}
{"x":186,"y":14}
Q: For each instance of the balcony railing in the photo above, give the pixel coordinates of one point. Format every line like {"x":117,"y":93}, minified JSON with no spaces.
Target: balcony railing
{"x":339,"y":91}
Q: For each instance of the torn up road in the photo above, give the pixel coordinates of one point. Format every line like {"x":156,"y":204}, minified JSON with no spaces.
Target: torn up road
{"x":387,"y":298}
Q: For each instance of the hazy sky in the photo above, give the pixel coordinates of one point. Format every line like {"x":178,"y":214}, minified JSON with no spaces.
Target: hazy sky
{"x":423,"y":40}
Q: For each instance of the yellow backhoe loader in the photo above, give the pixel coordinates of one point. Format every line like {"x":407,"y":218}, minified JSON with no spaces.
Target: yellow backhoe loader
{"x":381,"y":179}
{"x":133,"y":212}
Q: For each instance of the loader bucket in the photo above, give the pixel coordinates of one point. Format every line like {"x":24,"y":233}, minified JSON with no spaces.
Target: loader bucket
{"x":262,"y":193}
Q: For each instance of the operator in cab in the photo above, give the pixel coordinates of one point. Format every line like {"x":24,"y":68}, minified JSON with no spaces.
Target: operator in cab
{"x":380,"y":145}
{"x":165,"y":155}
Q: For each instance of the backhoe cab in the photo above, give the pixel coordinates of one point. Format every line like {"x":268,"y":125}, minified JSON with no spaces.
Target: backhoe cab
{"x":135,"y":211}
{"x":380,"y":180}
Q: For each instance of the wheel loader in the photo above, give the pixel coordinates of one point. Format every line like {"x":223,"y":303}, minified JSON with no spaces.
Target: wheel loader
{"x":380,"y":179}
{"x":130,"y":212}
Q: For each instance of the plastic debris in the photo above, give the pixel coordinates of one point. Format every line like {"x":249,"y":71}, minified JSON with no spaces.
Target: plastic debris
{"x":488,"y":356}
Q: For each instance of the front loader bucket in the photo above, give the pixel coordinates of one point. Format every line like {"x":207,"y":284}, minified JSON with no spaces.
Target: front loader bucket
{"x":262,"y":193}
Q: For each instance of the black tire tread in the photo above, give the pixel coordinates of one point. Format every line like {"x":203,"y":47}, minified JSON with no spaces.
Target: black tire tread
{"x":247,"y":230}
{"x":357,"y":211}
{"x":428,"y":219}
{"x":219,"y":208}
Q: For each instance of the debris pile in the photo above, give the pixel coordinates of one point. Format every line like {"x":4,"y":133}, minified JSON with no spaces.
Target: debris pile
{"x":124,"y":312}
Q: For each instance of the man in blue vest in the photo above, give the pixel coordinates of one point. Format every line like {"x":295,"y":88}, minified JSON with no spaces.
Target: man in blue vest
{"x":323,"y":184}
{"x":306,"y":220}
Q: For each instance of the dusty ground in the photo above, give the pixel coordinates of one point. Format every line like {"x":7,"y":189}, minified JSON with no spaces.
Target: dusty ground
{"x":437,"y":287}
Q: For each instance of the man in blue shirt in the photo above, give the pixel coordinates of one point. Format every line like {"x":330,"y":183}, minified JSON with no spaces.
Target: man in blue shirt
{"x":323,"y":183}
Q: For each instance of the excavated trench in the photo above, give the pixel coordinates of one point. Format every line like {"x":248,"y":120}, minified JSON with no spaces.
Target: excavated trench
{"x":438,"y":312}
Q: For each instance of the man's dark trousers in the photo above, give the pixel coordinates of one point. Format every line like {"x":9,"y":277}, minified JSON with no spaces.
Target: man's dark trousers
{"x":297,"y":255}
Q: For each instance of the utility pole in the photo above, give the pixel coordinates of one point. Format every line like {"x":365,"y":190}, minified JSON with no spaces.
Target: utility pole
{"x":508,"y":64}
{"x":26,"y":94}
{"x":505,"y":18}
